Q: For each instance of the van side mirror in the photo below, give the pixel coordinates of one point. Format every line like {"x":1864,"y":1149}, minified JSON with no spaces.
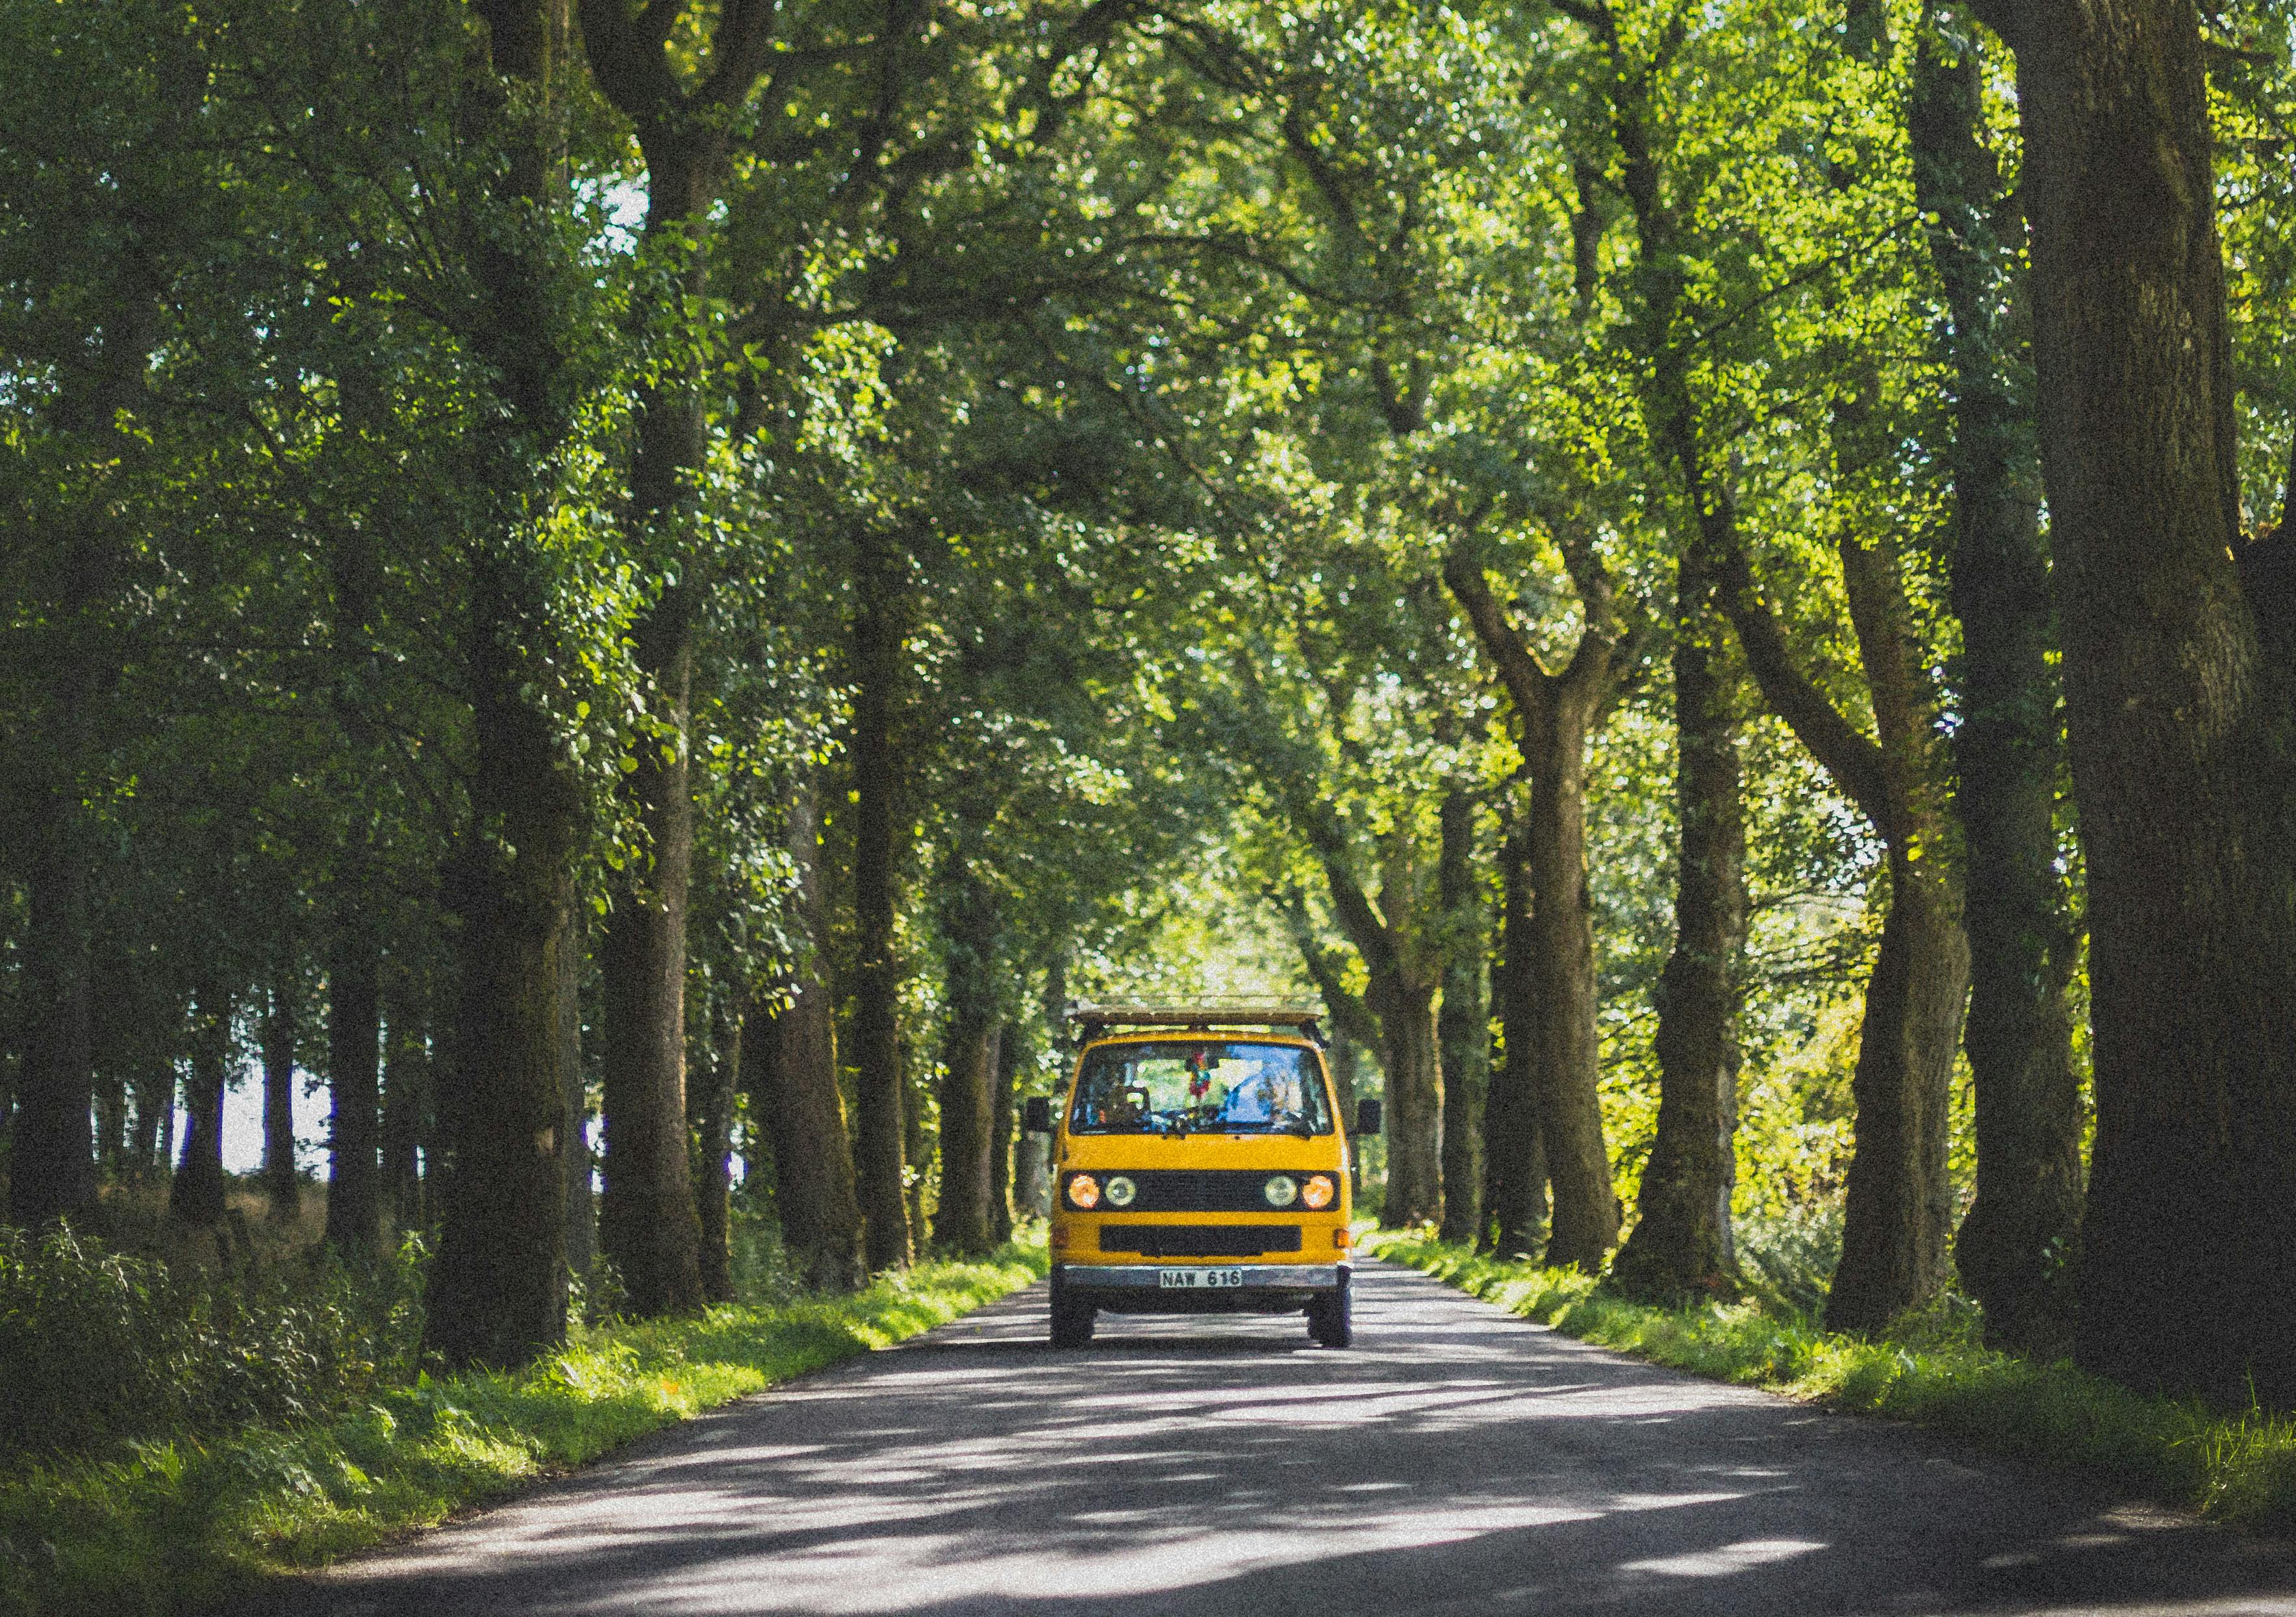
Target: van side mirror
{"x":1368,"y":1118}
{"x":1037,"y":1115}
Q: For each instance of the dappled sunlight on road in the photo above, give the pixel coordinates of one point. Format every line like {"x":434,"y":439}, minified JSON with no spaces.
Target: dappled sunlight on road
{"x":1458,"y":1459}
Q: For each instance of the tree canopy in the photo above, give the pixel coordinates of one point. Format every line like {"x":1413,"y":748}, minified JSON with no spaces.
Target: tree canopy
{"x":649,"y":588}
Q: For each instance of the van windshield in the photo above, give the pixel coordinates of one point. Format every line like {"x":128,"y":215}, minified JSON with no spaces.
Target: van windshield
{"x":1200,"y":1086}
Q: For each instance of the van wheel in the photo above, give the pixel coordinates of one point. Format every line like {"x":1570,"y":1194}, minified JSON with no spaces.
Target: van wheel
{"x":1071,"y":1322}
{"x":1331,"y":1319}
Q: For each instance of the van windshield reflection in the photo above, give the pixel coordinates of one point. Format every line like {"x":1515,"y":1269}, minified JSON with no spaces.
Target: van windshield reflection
{"x":1201,"y":1087}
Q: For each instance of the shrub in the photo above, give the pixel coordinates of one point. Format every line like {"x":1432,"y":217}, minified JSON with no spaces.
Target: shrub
{"x":98,"y":1346}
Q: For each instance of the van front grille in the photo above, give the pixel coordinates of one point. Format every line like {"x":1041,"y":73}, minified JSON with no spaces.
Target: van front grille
{"x":1191,"y":1190}
{"x":1200,"y":1240}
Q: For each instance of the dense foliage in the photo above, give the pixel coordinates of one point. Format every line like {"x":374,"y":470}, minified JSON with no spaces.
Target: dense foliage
{"x":646,"y":590}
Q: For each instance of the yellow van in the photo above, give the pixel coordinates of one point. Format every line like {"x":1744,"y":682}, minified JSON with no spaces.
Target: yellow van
{"x":1199,"y":1165}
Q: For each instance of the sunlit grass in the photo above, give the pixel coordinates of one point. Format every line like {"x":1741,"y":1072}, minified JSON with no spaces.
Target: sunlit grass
{"x":180,"y":1525}
{"x":2239,"y":1468}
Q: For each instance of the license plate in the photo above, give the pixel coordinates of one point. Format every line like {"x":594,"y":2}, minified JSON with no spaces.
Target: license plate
{"x":1192,"y":1279}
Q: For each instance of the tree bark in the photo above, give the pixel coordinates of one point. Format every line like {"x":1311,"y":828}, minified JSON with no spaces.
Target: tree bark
{"x":969,"y":1056}
{"x":74,"y":660}
{"x":2014,"y":1248}
{"x":197,"y":1195}
{"x":916,"y":1149}
{"x":1681,"y":1245}
{"x":1514,"y":1144}
{"x":574,"y":1086}
{"x":497,"y":1288}
{"x":154,"y":1089}
{"x":794,"y":1094}
{"x":1398,"y":1008}
{"x":648,"y":1225}
{"x":52,"y":1159}
{"x":1011,"y":1050}
{"x":354,"y":1228}
{"x":1411,"y":1056}
{"x":354,"y":1083}
{"x":406,"y":1098}
{"x":1399,"y":1002}
{"x":1345,"y":1058}
{"x":1568,"y":1078}
{"x":1463,"y":1025}
{"x":2178,"y":702}
{"x":713,"y":1157}
{"x":1557,"y":711}
{"x":879,"y":634}
{"x":280,"y":1180}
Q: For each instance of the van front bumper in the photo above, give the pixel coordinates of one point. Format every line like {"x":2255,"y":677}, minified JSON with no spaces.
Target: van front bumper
{"x":1285,"y":1277}
{"x":1138,"y":1288}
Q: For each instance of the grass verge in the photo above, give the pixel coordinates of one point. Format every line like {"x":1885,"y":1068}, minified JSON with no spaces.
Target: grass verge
{"x":2239,"y":1468}
{"x":182,"y":1526}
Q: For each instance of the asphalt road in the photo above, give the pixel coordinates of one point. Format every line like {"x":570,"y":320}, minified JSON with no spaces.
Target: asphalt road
{"x":1456,"y":1460}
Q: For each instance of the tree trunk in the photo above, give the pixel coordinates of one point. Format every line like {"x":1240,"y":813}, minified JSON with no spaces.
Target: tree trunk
{"x":1012,"y":1048}
{"x":1567,"y":1080}
{"x":154,"y":1089}
{"x":2178,"y":703}
{"x":52,"y":1159}
{"x":877,"y":637}
{"x":794,"y":1096}
{"x":1681,"y":1245}
{"x":1399,"y":1003}
{"x":1556,"y":713}
{"x":354,"y":1083}
{"x":1346,"y":1059}
{"x":969,"y":1059}
{"x":2014,"y":1247}
{"x":1463,"y":1025}
{"x":713,"y":1158}
{"x":1899,"y":1206}
{"x":406,"y":1100}
{"x":111,"y":1116}
{"x":497,"y":1288}
{"x":280,"y":1180}
{"x":648,"y":1226}
{"x":923,"y":1154}
{"x":579,"y":1162}
{"x":167,"y":1096}
{"x":1514,"y":1147}
{"x":197,"y":1195}
{"x":1411,"y":1052}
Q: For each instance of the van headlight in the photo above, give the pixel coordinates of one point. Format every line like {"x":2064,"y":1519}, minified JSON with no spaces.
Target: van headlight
{"x":1084,"y":1192}
{"x":1121,"y":1192}
{"x":1318,"y":1192}
{"x":1281,"y":1190}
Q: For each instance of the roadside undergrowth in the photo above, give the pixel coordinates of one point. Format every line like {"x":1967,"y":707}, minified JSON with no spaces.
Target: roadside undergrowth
{"x":2239,"y":1468}
{"x":182,"y":1525}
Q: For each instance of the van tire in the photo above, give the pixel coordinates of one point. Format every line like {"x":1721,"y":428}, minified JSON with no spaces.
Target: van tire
{"x":1071,"y":1322}
{"x":1331,"y":1319}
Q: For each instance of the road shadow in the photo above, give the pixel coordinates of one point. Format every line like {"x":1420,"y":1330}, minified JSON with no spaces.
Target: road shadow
{"x":1457,"y":1460}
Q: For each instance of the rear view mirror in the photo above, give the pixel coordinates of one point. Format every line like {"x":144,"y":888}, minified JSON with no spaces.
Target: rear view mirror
{"x":1367,"y":1117}
{"x":1037,"y":1115}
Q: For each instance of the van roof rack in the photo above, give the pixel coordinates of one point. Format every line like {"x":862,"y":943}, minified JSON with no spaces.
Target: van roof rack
{"x":1197,"y":1015}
